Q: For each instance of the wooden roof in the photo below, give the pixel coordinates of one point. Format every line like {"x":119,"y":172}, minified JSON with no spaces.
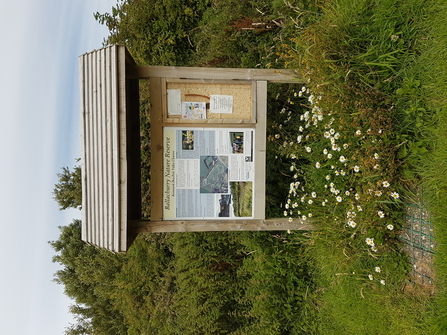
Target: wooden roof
{"x":110,"y":116}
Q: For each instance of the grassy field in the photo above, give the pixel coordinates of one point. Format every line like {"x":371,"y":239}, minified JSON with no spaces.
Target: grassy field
{"x":369,"y":137}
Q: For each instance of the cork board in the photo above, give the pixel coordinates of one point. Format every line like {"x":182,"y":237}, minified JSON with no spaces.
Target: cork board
{"x":200,"y":92}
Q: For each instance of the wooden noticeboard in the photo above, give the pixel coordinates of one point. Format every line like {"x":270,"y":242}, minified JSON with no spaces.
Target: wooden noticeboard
{"x":227,"y":105}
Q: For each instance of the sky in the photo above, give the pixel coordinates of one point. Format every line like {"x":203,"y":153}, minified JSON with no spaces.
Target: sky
{"x":39,"y":134}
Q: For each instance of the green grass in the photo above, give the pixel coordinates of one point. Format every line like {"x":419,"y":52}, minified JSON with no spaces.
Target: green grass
{"x":376,"y":93}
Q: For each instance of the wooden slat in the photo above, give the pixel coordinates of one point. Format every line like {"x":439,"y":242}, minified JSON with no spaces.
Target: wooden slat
{"x":271,"y":75}
{"x":173,"y":226}
{"x":260,"y":150}
{"x":109,"y":141}
{"x":82,"y":75}
{"x":122,"y":146}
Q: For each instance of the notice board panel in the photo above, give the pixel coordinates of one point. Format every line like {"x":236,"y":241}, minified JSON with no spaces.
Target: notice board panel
{"x":211,"y":101}
{"x":208,"y":173}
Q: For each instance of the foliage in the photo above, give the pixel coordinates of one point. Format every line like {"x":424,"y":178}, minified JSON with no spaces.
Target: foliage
{"x":156,"y":32}
{"x":87,"y":276}
{"x":68,"y":192}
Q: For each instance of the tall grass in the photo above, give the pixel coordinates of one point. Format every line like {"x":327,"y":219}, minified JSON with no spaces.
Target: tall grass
{"x":373,"y":118}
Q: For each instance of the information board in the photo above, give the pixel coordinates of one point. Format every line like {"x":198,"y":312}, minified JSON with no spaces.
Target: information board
{"x":208,"y":173}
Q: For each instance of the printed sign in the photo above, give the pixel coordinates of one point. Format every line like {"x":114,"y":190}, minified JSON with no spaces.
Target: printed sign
{"x":208,"y":173}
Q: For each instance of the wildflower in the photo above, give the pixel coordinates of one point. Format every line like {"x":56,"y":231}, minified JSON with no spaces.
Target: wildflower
{"x":325,"y":151}
{"x":327,"y":134}
{"x":337,"y":173}
{"x":339,"y":199}
{"x":309,"y":215}
{"x":378,"y":193}
{"x":332,"y":131}
{"x":285,"y":213}
{"x":382,"y":282}
{"x":288,"y":230}
{"x":310,"y":201}
{"x":357,"y":196}
{"x":314,"y":194}
{"x":293,"y":156}
{"x":292,"y":167}
{"x":286,"y":206}
{"x":277,"y":136}
{"x":351,"y":214}
{"x":323,"y":203}
{"x":295,"y":175}
{"x":386,"y":184}
{"x":358,"y":132}
{"x":345,"y":146}
{"x":301,"y":129}
{"x":352,"y":223}
{"x":299,"y":138}
{"x":304,"y":218}
{"x":395,"y":195}
{"x":381,"y":214}
{"x":370,"y":241}
{"x":377,"y":166}
{"x":374,"y":248}
{"x":347,"y":193}
{"x":334,"y":147}
{"x":377,"y":269}
{"x":317,"y":165}
{"x":356,"y":168}
{"x":337,"y":136}
{"x":308,"y":149}
{"x":342,"y":159}
{"x":342,"y":172}
{"x":370,"y":277}
{"x":390,"y":227}
{"x":376,"y":156}
{"x":290,"y":220}
{"x":329,"y":156}
{"x":329,"y":177}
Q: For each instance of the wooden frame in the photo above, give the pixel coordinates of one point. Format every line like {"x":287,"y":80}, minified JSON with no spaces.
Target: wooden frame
{"x":111,"y":182}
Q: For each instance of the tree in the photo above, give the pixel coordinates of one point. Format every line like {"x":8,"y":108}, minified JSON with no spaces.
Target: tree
{"x":88,"y":275}
{"x":68,"y":192}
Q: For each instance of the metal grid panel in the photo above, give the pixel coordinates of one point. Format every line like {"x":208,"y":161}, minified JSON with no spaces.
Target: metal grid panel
{"x":419,"y":242}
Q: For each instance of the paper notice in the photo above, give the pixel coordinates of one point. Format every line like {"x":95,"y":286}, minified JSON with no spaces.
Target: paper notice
{"x":193,"y":110}
{"x":221,"y":104}
{"x":174,"y":102}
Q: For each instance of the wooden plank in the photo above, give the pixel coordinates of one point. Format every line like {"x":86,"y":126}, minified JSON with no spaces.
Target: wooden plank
{"x":122,"y":111}
{"x":82,"y":75}
{"x":115,"y":148}
{"x":100,"y":153}
{"x":260,"y":150}
{"x":156,"y":149}
{"x":174,"y":226}
{"x":271,"y":75}
{"x":109,"y":149}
